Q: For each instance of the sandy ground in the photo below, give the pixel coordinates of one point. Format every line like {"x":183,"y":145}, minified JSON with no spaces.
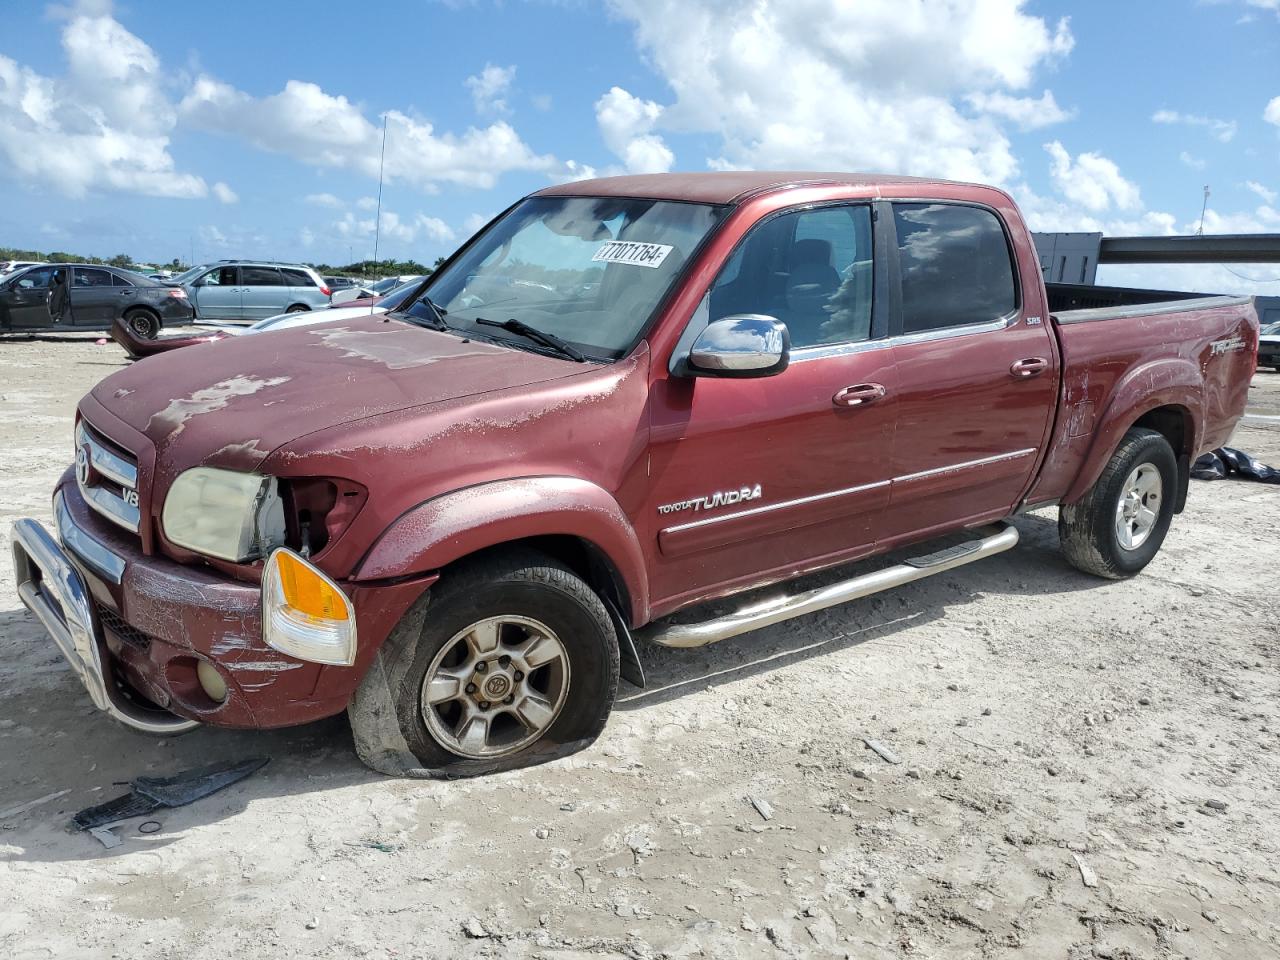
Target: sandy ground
{"x":1060,"y":739}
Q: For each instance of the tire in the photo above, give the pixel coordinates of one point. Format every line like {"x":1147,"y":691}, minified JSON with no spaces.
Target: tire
{"x":143,"y":322}
{"x":405,"y":726}
{"x":1141,"y":474}
{"x":298,"y":308}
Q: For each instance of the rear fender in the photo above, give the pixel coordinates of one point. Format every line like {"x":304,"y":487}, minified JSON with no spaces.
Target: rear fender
{"x":449,"y":527}
{"x":1172,"y":382}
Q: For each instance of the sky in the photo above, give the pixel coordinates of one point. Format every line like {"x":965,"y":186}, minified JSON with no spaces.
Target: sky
{"x":254,"y":129}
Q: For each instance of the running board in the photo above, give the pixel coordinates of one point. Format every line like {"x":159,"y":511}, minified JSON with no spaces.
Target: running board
{"x":1003,"y":536}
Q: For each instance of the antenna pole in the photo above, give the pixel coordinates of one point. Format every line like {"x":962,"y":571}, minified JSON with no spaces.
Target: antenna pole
{"x":378,"y":220}
{"x":1203,"y":208}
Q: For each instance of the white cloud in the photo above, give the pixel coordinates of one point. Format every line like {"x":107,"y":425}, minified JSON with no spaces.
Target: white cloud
{"x":1195,"y":163}
{"x":1272,"y":113}
{"x":322,"y":200}
{"x":224,"y":193}
{"x":625,"y":125}
{"x":1268,"y":195}
{"x":474,"y":222}
{"x":367,"y":203}
{"x":1026,"y":112}
{"x":103,"y":125}
{"x":825,"y":83}
{"x":325,"y":130}
{"x":1223,"y":131}
{"x":489,"y":89}
{"x":397,"y":228}
{"x":1091,"y":180}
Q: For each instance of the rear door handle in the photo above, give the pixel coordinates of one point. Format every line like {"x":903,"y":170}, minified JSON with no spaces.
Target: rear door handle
{"x":858,"y":394}
{"x":1030,"y":367}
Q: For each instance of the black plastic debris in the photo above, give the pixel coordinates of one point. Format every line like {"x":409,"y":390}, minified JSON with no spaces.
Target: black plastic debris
{"x":152,"y":793}
{"x":1229,"y":463}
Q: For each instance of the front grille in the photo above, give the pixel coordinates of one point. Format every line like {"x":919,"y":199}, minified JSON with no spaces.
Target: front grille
{"x":117,"y":625}
{"x":107,"y":477}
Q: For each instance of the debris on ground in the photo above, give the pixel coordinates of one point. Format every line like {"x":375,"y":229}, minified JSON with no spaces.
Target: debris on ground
{"x":885,"y":754}
{"x":105,"y":836}
{"x":32,"y":804}
{"x":1227,"y":463}
{"x":151,"y":793}
{"x":762,"y":807}
{"x":1087,"y":876}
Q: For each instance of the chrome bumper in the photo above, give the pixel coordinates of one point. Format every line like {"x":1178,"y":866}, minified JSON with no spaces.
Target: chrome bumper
{"x":51,"y":587}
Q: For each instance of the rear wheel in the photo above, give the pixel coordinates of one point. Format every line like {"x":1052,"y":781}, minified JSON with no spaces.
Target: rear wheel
{"x":1116,"y":528}
{"x":511,"y":661}
{"x":143,"y":322}
{"x":298,"y":308}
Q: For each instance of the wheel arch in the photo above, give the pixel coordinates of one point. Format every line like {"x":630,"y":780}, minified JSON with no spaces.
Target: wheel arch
{"x":569,"y":519}
{"x":1166,"y":396}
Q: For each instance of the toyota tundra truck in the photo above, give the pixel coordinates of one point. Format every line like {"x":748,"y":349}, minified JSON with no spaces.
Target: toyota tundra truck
{"x":460,"y":520}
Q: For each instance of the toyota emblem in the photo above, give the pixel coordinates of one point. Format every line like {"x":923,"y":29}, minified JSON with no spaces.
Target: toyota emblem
{"x":83,"y":465}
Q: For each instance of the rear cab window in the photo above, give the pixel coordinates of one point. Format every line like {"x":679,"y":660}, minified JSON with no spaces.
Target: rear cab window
{"x":955,"y":264}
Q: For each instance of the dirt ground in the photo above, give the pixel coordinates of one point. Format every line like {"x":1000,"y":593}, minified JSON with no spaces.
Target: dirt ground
{"x":1088,"y":769}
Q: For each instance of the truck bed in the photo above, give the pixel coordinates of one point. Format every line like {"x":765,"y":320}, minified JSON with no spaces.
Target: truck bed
{"x":1183,"y":364}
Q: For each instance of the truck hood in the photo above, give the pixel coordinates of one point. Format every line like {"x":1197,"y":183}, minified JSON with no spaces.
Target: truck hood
{"x":232,"y":402}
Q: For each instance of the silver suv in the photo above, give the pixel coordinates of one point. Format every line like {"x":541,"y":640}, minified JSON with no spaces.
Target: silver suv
{"x":252,"y":289}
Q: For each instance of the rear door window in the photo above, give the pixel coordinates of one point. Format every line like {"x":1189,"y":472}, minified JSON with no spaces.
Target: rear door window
{"x":297,"y":278}
{"x":260,"y":277}
{"x":89,"y":277}
{"x":955,"y":265}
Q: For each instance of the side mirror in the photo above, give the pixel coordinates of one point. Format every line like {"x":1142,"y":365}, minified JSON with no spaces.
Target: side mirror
{"x":743,"y":345}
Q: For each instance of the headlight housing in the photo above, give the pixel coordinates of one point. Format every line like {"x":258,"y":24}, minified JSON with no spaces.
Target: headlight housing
{"x":225,"y":514}
{"x":304,"y":613}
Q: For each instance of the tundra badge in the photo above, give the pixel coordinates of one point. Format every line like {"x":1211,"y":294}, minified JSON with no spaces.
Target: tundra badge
{"x":721,"y":498}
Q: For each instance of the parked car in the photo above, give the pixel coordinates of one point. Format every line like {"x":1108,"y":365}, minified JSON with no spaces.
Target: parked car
{"x":377,"y":289}
{"x":252,"y":289}
{"x":12,"y":266}
{"x":137,"y":347}
{"x":1269,"y":343}
{"x":448,"y":520}
{"x":98,"y":296}
{"x":339,"y":283}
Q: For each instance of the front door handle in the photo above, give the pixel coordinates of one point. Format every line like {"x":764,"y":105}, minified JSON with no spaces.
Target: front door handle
{"x":858,"y":394}
{"x":1030,"y":367}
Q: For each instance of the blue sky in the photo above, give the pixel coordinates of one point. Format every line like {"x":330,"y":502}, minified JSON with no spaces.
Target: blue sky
{"x":253,"y":129}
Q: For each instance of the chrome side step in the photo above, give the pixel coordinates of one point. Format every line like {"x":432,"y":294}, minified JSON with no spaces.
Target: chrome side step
{"x":1003,"y":536}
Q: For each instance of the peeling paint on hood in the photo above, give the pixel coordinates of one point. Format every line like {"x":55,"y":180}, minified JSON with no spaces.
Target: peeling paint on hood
{"x":232,"y":402}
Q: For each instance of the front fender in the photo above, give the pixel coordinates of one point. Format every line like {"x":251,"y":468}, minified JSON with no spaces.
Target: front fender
{"x":454,"y":525}
{"x":1172,"y":382}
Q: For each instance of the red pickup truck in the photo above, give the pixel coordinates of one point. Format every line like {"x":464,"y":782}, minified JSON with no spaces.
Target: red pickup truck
{"x":620,"y":399}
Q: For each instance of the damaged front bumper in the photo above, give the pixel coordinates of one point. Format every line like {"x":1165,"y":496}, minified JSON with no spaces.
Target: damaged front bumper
{"x":138,"y":628}
{"x":53,"y":589}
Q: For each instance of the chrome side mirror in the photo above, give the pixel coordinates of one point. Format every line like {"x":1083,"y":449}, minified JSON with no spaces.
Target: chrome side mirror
{"x":743,"y":345}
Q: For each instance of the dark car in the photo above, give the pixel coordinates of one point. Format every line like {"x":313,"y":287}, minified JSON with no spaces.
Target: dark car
{"x":98,"y":296}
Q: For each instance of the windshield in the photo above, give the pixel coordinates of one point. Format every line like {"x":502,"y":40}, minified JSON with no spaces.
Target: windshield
{"x":1271,"y":329}
{"x":590,"y":270}
{"x":387,"y":284}
{"x":190,"y":274}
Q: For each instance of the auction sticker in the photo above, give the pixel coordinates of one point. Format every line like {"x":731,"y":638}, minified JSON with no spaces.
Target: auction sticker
{"x":638,"y":254}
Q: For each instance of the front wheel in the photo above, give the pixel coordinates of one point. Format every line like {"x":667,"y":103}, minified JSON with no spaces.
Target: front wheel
{"x":1116,"y":528}
{"x":511,"y":661}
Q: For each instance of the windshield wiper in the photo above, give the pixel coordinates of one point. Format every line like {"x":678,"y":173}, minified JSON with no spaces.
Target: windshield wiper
{"x":431,"y":323}
{"x":438,"y":310}
{"x":533,"y":333}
